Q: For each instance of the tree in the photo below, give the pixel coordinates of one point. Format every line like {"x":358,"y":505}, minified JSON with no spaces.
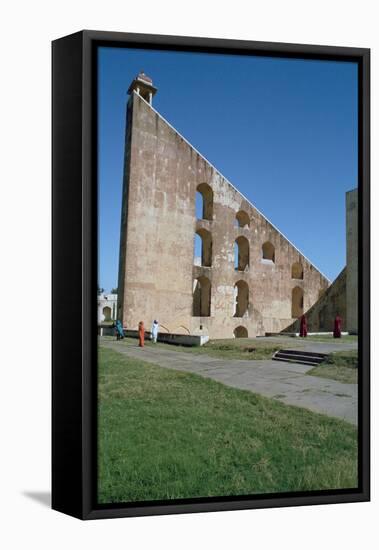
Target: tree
{"x":114,"y":291}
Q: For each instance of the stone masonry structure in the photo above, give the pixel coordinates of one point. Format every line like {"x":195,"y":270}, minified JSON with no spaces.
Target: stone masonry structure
{"x":251,"y":279}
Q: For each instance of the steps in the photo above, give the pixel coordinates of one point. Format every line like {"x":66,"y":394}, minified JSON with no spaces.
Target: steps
{"x":310,"y":358}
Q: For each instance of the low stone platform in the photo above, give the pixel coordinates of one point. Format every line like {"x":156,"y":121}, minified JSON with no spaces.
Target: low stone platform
{"x":175,"y":339}
{"x":168,"y":338}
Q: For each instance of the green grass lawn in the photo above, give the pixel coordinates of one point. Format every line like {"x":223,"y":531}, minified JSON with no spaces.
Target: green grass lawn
{"x":340,"y":365}
{"x":165,"y":434}
{"x":239,"y":348}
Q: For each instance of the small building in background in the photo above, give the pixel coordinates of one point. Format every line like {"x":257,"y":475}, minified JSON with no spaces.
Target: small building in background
{"x":106,"y":307}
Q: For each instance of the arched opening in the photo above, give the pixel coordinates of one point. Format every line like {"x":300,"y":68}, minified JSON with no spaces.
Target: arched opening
{"x":181,"y":329}
{"x":242,"y":219}
{"x":198,"y":246}
{"x":268,"y":252}
{"x":241,"y":298}
{"x":203,"y":248}
{"x":199,"y":206}
{"x":202,"y":297}
{"x":241,"y":254}
{"x":297,"y":271}
{"x":107,"y":312}
{"x":204,"y":202}
{"x":297,"y":302}
{"x":240,"y":332}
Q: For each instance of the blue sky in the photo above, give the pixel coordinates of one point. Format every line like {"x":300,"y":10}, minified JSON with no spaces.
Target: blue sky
{"x":283,"y":131}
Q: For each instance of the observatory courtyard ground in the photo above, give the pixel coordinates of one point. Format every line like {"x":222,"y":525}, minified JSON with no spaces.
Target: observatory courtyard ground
{"x":216,"y":421}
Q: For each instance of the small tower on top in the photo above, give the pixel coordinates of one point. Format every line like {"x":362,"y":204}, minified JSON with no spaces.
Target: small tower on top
{"x":143,"y":85}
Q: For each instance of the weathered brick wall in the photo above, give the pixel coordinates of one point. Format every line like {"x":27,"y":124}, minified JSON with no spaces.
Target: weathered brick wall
{"x":156,"y":276}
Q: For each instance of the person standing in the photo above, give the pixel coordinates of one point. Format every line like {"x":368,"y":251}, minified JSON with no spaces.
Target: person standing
{"x":337,"y":327}
{"x":154,"y":331}
{"x":141,"y":334}
{"x":303,"y":327}
{"x":119,"y":330}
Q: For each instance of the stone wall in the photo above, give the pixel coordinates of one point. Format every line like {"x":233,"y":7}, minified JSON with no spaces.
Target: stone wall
{"x":352,"y":261}
{"x":157,"y":275}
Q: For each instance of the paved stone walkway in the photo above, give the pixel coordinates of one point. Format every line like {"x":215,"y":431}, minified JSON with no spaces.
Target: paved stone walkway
{"x":286,"y":382}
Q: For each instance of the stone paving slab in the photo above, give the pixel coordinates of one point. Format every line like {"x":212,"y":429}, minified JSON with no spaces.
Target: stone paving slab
{"x":286,"y":382}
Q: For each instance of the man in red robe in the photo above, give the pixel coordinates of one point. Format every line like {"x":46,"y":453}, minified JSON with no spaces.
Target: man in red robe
{"x":303,"y":326}
{"x":337,"y":327}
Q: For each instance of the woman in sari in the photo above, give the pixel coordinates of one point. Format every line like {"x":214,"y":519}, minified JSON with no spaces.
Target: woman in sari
{"x":141,"y":334}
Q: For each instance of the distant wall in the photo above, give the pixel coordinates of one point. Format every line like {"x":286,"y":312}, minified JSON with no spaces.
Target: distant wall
{"x":320,"y":317}
{"x":341,"y":298}
{"x":352,"y":261}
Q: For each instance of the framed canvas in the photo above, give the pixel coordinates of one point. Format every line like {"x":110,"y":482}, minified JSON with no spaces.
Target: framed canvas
{"x":210,"y":275}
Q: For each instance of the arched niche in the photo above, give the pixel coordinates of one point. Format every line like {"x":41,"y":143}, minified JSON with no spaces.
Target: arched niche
{"x":202,"y":297}
{"x":203,"y":248}
{"x":297,"y":271}
{"x":297,"y":307}
{"x":240,"y":332}
{"x":241,"y":254}
{"x":204,"y":202}
{"x":241,"y":298}
{"x":107,"y":312}
{"x":242,"y":219}
{"x":268,"y":252}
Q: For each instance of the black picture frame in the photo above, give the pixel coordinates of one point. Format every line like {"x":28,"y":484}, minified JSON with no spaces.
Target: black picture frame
{"x":74,"y":272}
